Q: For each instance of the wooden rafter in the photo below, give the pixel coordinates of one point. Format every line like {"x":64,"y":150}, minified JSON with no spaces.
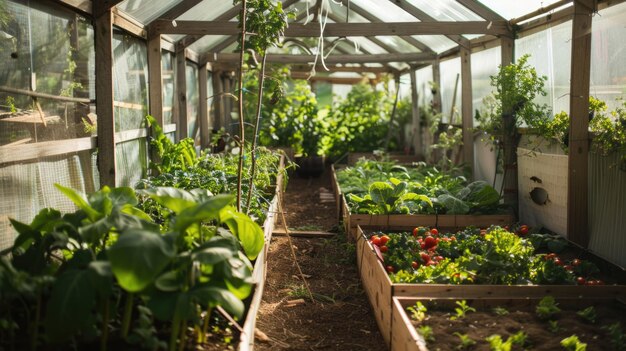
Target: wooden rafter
{"x":332,"y":68}
{"x":424,"y":17}
{"x":100,"y":7}
{"x":84,"y":6}
{"x":363,"y":13}
{"x":332,"y":59}
{"x":178,"y":10}
{"x":481,"y":10}
{"x":343,"y":29}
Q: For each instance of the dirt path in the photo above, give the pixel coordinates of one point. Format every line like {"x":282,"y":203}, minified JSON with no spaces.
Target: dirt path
{"x":340,"y":318}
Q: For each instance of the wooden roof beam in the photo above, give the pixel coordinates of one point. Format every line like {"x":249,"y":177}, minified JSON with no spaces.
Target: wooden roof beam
{"x":174,"y":12}
{"x":343,"y":29}
{"x":332,"y":59}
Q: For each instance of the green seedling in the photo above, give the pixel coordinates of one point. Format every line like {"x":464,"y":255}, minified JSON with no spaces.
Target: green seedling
{"x":572,"y":343}
{"x":426,"y":332}
{"x":588,"y":314}
{"x":466,"y":341}
{"x":418,"y":311}
{"x":547,"y":307}
{"x":500,"y":311}
{"x":462,"y":310}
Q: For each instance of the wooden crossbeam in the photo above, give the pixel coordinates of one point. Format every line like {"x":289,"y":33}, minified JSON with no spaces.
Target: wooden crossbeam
{"x":286,"y":58}
{"x":481,"y":10}
{"x":341,"y":29}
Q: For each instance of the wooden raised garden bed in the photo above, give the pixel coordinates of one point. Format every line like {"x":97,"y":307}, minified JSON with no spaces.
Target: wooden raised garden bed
{"x":259,"y":272}
{"x":380,"y":290}
{"x":514,"y":315}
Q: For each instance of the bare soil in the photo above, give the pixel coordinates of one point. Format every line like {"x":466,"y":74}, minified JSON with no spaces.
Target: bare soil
{"x":484,"y":323}
{"x":339,"y":317}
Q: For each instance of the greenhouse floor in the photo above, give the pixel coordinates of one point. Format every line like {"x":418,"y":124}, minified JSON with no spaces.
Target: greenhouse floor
{"x":340,"y":318}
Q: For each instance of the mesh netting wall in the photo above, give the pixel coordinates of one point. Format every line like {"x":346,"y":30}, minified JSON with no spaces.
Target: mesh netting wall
{"x":132,"y":161}
{"x":169,"y":72}
{"x":27,"y":188}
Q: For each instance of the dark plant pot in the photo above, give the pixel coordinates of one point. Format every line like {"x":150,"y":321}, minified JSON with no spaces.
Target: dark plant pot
{"x":310,"y":166}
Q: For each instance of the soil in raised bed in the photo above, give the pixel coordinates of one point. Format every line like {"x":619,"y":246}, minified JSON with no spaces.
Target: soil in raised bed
{"x":340,"y":318}
{"x":484,"y":323}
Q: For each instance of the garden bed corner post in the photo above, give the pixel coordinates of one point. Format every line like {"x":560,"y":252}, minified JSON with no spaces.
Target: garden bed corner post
{"x":577,"y":187}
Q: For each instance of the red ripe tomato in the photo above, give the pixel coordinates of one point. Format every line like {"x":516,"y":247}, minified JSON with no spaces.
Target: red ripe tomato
{"x":551,"y":256}
{"x":523,"y":230}
{"x":383,"y":248}
{"x":375,"y":240}
{"x":581,"y":281}
{"x":568,"y":268}
{"x":431,"y":263}
{"x":576,"y":262}
{"x":558,"y":262}
{"x":415,"y":265}
{"x":483,"y":232}
{"x":389,"y":269}
{"x":453,"y":238}
{"x":384,"y":239}
{"x":434,"y":231}
{"x":425,"y":257}
{"x":438,"y":258}
{"x":423,"y":245}
{"x":591,"y":282}
{"x":599,"y":282}
{"x":430,"y":242}
{"x":506,"y":227}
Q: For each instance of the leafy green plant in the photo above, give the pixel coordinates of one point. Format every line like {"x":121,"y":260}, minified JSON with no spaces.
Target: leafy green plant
{"x":553,"y":326}
{"x":547,"y":308}
{"x":466,"y":341}
{"x":387,"y":198}
{"x":572,"y":343}
{"x":500,"y":311}
{"x":618,"y":337}
{"x":497,"y":344}
{"x":418,"y":311}
{"x":588,"y":314}
{"x":426,"y":332}
{"x":462,"y":310}
{"x":171,"y":156}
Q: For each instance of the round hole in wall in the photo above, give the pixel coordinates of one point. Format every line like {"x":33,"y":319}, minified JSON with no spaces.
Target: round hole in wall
{"x":539,"y":196}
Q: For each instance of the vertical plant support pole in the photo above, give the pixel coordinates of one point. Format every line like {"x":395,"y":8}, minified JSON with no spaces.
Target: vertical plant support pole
{"x":257,"y":120}
{"x":104,"y":93}
{"x":509,"y":140}
{"x":578,"y":159}
{"x":467,"y":108}
{"x":436,"y":106}
{"x":181,"y":92}
{"x":205,"y":123}
{"x":242,"y":140}
{"x":415,"y":112}
{"x":217,"y":100}
{"x":396,"y":77}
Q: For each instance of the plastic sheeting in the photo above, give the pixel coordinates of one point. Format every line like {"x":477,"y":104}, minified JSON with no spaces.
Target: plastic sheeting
{"x":193,"y":102}
{"x":450,"y":69}
{"x":484,"y":64}
{"x":168,"y":68}
{"x":130,"y":82}
{"x":550,"y":52}
{"x":608,"y":66}
{"x":607,"y":201}
{"x":27,"y":188}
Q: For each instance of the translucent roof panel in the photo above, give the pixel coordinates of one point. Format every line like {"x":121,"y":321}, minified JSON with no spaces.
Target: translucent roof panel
{"x":354,"y":45}
{"x":207,"y":10}
{"x":384,"y":11}
{"x":145,"y":11}
{"x":339,"y":10}
{"x":206,"y":42}
{"x":513,"y":9}
{"x":398,"y":44}
{"x":439,"y":43}
{"x":446,"y":10}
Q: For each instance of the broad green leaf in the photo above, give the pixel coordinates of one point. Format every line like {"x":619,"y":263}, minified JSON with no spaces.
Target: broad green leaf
{"x":482,"y":194}
{"x":132,"y":210}
{"x":416,"y":197}
{"x":249,"y":233}
{"x":138,"y":257}
{"x":394,"y":181}
{"x":101,"y":202}
{"x":380,"y":192}
{"x":174,"y":199}
{"x":46,"y":219}
{"x":355,"y":198}
{"x":205,"y":211}
{"x":173,"y":280}
{"x":101,"y":277}
{"x":123,"y":196}
{"x":123,"y":222}
{"x":92,"y":233}
{"x":79,"y":201}
{"x":399,"y":189}
{"x":453,"y":205}
{"x":212,"y":255}
{"x":70,"y":304}
{"x":26,"y":236}
{"x":216,"y":296}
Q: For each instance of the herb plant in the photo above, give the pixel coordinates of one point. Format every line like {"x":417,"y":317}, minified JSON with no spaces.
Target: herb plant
{"x":572,"y":343}
{"x":418,"y":311}
{"x":547,"y":308}
{"x":462,"y":310}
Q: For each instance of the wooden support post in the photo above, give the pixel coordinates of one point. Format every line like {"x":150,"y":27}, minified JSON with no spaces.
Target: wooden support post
{"x":577,"y":187}
{"x":467,"y":108}
{"x":510,"y":141}
{"x":181,"y":94}
{"x":218,"y":99}
{"x":203,"y":115}
{"x":155,"y":78}
{"x":415,"y":112}
{"x":437,"y":81}
{"x":104,"y":96}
